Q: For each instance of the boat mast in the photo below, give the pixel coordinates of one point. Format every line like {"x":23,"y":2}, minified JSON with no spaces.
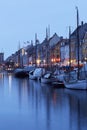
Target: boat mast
{"x":35,"y":49}
{"x":69,"y":46}
{"x":19,"y":54}
{"x":47,"y":48}
{"x":78,"y":39}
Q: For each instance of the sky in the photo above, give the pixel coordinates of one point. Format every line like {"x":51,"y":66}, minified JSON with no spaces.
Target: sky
{"x":21,"y":19}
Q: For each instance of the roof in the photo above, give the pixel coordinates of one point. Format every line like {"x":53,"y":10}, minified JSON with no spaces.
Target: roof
{"x":82,"y":30}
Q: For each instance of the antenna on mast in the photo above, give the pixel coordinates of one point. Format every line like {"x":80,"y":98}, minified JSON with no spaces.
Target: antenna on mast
{"x":77,"y":16}
{"x":46,"y":33}
{"x":19,"y":45}
{"x":35,"y":38}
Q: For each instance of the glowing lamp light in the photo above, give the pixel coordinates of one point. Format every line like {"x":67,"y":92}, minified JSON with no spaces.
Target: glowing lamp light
{"x":38,"y":61}
{"x":44,"y":61}
{"x":52,"y":60}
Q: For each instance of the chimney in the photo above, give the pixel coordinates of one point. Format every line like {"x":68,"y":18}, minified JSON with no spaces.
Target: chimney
{"x":81,"y":23}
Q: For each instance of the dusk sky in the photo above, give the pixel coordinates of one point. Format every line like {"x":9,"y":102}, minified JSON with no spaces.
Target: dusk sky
{"x":21,"y":19}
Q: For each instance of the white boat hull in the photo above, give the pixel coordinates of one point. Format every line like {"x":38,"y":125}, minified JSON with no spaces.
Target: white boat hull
{"x":44,"y":80}
{"x":79,"y":84}
{"x":37,"y":73}
{"x":47,"y":80}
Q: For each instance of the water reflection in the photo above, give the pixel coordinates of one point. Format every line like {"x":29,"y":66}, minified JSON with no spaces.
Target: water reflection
{"x":10,"y":82}
{"x":78,"y":109}
{"x":1,"y":78}
{"x":32,"y":105}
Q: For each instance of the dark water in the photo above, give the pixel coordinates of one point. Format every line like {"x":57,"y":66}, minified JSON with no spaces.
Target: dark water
{"x":30,"y":105}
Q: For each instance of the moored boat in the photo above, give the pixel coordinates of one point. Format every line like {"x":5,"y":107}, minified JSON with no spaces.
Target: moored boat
{"x":59,"y":74}
{"x":76,"y":79}
{"x":48,"y":78}
{"x":72,"y":82}
{"x":36,"y":73}
{"x":32,"y":76}
{"x":21,"y":73}
{"x":58,"y":84}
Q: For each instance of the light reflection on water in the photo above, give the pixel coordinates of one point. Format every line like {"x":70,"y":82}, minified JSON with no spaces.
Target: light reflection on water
{"x":27,"y":104}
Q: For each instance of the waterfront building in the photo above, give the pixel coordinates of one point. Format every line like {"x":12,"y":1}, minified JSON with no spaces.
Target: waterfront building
{"x":74,"y":46}
{"x":84,"y":48}
{"x":64,"y":52}
{"x":55,"y":54}
{"x":54,"y":50}
{"x":1,"y":60}
{"x":48,"y":49}
{"x":1,"y":57}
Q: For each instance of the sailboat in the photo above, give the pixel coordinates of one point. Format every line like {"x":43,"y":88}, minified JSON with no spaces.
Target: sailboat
{"x":72,"y":79}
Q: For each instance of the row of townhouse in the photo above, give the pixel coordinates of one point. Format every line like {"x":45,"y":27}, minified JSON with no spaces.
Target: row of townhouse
{"x":68,"y":48}
{"x":54,"y":51}
{"x":82,"y":29}
{"x":35,"y":54}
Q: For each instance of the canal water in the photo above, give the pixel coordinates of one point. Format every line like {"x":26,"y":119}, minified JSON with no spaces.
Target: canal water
{"x":30,"y":105}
